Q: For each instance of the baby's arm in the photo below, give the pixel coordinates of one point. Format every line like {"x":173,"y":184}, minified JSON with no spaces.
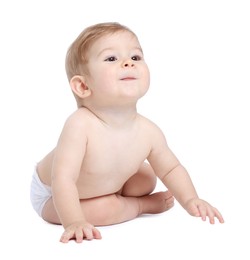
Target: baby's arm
{"x":69,"y":154}
{"x":181,"y":186}
{"x":177,"y":180}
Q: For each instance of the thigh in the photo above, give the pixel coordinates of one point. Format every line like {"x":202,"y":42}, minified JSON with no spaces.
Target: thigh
{"x":49,"y":213}
{"x":140,"y":184}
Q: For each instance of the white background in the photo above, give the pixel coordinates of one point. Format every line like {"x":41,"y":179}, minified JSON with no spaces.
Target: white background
{"x":198,"y":54}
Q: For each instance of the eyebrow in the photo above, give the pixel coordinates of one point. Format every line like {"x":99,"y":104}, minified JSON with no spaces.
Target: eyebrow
{"x":111,"y":49}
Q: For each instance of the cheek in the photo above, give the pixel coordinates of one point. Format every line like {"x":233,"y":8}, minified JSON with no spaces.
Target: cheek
{"x":103,"y":80}
{"x":106,"y":77}
{"x":103,"y":74}
{"x":146,"y":76}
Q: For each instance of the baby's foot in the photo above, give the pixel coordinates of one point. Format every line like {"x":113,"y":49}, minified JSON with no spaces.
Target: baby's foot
{"x":156,"y":203}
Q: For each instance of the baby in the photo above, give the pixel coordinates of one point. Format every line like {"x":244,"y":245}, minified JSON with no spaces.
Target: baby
{"x":105,"y":165}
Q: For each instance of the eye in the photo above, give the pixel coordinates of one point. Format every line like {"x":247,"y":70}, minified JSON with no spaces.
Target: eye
{"x":111,"y":58}
{"x":136,"y":58}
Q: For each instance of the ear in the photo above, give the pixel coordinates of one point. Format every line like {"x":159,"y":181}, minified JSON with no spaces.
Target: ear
{"x":79,"y":87}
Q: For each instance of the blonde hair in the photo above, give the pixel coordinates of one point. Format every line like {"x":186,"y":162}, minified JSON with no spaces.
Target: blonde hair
{"x":77,"y":54}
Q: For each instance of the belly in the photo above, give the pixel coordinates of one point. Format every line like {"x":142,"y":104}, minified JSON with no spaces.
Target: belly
{"x":95,"y":185}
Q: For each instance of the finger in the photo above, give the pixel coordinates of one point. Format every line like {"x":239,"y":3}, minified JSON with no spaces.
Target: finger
{"x":211,"y":215}
{"x":79,"y":235}
{"x":193,"y":210}
{"x":203,"y":212}
{"x":88,"y":233}
{"x":66,"y":236}
{"x":97,"y":233}
{"x":218,"y":216}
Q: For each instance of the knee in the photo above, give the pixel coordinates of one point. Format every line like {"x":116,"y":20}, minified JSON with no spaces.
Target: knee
{"x":148,"y":182}
{"x":149,"y":177}
{"x":142,"y":183}
{"x":109,"y":209}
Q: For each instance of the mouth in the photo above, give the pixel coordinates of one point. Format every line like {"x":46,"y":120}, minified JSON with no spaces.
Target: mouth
{"x":128,"y":78}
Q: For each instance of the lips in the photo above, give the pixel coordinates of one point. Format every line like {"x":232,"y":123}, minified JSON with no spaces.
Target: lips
{"x":128,"y":78}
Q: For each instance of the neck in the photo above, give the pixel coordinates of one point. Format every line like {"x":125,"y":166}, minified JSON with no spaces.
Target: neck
{"x":117,"y":117}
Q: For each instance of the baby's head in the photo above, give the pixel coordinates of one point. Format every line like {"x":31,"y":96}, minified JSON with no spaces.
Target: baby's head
{"x":77,"y":55}
{"x":85,"y":63}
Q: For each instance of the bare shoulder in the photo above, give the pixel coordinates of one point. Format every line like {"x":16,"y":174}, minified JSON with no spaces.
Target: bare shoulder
{"x":79,"y":122}
{"x":77,"y":127}
{"x":156,"y":137}
{"x":79,"y":116}
{"x":161,"y":157}
{"x":150,"y":127}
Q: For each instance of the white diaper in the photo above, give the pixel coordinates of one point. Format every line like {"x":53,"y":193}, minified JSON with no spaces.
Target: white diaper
{"x":39,"y":193}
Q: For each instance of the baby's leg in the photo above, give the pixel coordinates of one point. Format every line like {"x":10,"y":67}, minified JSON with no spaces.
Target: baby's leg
{"x":115,"y":208}
{"x":142,"y":183}
{"x":133,"y":200}
{"x":140,"y":186}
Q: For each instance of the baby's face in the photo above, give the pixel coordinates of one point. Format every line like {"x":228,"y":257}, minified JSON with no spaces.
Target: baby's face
{"x":117,"y":69}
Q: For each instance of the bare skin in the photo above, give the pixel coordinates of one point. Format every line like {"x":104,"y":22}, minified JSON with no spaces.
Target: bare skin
{"x":98,"y":171}
{"x":133,"y":198}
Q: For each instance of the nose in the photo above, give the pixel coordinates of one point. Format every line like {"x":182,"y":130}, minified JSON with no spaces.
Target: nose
{"x":128,"y":63}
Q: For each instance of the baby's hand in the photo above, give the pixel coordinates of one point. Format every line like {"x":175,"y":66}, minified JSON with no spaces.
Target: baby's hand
{"x":200,"y":208}
{"x":80,"y":230}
